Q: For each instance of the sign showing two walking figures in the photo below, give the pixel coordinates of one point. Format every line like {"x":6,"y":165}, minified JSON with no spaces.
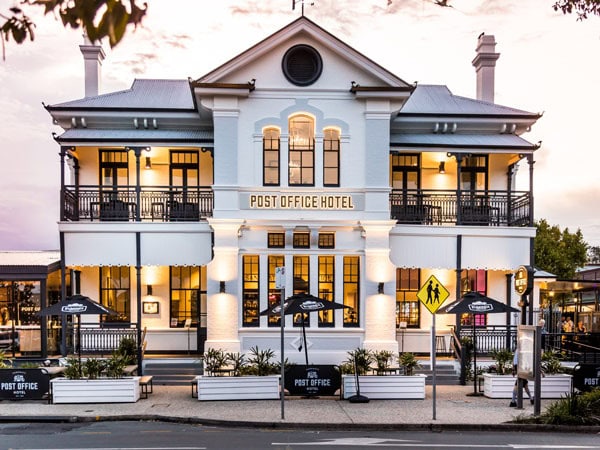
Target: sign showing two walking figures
{"x":433,"y":294}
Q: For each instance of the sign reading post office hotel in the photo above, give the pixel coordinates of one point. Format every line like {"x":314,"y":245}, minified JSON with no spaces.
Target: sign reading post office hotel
{"x":296,"y":201}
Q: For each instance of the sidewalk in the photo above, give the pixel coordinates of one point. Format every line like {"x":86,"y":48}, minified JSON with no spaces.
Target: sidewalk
{"x":454,"y":409}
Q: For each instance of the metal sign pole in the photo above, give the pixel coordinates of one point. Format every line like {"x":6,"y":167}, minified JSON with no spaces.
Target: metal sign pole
{"x":433,"y":350}
{"x":280,"y":284}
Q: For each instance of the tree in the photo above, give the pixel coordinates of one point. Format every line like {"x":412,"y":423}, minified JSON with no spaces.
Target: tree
{"x":98,"y":18}
{"x":582,"y":8}
{"x":594,"y":255}
{"x":559,"y":252}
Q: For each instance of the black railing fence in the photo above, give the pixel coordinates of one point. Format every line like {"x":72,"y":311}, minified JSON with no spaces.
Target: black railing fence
{"x":156,"y":203}
{"x":491,"y":337}
{"x":99,"y":340}
{"x":437,"y":207}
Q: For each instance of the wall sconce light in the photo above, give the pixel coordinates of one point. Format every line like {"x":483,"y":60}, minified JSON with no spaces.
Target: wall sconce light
{"x":380,"y":288}
{"x":149,"y":289}
{"x":148,"y":162}
{"x":222,"y":287}
{"x":442,"y":167}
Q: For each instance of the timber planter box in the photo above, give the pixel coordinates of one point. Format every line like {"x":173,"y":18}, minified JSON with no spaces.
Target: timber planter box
{"x":385,"y":387}
{"x":501,"y":386}
{"x":238,"y":388}
{"x":100,"y":390}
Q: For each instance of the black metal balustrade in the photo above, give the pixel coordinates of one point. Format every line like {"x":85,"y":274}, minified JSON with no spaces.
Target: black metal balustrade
{"x":120,"y":204}
{"x":491,"y":337}
{"x":438,"y":207}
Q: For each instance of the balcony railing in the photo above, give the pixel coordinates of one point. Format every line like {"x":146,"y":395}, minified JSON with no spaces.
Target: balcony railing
{"x":438,"y":207}
{"x":121,"y":204}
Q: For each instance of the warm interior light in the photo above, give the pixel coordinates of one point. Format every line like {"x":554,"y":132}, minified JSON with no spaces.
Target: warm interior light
{"x":442,"y":167}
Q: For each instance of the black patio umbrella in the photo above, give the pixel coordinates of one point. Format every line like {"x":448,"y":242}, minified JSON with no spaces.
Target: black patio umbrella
{"x":301,"y":304}
{"x":76,"y":305}
{"x":476,"y":303}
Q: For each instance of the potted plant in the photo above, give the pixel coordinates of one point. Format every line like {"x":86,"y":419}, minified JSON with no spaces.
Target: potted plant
{"x":255,"y":377}
{"x":96,"y":381}
{"x":554,"y":383}
{"x":503,"y":361}
{"x":390,"y":386}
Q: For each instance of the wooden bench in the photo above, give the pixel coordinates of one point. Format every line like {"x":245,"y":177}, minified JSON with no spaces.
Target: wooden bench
{"x":146,"y":385}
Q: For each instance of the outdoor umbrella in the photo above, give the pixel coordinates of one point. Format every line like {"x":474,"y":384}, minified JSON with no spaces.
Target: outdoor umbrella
{"x":301,"y":304}
{"x":476,"y":303}
{"x":76,"y":305}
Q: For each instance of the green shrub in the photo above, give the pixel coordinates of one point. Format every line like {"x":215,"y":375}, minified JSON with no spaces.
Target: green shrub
{"x":361,"y":358}
{"x":503,"y":359}
{"x":409,"y":362}
{"x":238,"y":363}
{"x":4,"y":363}
{"x":214,"y":359}
{"x":260,"y":362}
{"x":582,"y":409}
{"x":551,"y":362}
{"x":92,"y":368}
{"x":115,"y":365}
{"x":128,"y":349}
{"x":382,"y":359}
{"x":73,"y":369}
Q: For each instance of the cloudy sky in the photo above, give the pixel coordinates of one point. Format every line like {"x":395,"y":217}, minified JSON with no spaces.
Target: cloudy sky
{"x":549,"y":63}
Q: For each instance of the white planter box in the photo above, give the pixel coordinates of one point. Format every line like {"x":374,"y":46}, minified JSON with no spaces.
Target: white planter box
{"x":501,"y":386}
{"x":238,"y":388}
{"x":101,"y":390}
{"x":385,"y":386}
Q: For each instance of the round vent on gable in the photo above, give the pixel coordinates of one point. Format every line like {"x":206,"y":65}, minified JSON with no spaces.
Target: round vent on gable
{"x":302,"y":65}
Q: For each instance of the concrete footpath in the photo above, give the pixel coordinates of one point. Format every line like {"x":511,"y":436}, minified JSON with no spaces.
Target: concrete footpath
{"x":454,"y":410}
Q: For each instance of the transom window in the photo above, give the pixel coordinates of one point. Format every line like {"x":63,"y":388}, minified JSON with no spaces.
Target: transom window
{"x":301,"y":151}
{"x":302,"y":240}
{"x":407,"y":303}
{"x":474,"y":172}
{"x":275,"y":240}
{"x":114,"y":168}
{"x":271,"y":157}
{"x":331,"y":157}
{"x":326,"y":240}
{"x":405,"y":171}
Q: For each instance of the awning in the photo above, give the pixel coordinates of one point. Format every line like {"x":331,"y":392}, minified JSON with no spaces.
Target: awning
{"x":159,"y":137}
{"x":501,"y":143}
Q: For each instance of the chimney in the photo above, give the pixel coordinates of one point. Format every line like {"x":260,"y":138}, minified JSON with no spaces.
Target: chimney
{"x":92,"y":59}
{"x":485,"y":65}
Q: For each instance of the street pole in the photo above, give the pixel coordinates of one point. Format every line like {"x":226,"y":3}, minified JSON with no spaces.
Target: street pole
{"x":433,"y":350}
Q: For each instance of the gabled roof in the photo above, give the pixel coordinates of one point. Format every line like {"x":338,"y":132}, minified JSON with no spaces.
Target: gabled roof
{"x":144,"y":94}
{"x":303,"y":25}
{"x":436,"y":100}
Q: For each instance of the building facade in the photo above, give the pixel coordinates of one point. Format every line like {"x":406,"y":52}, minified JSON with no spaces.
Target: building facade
{"x":180,"y":198}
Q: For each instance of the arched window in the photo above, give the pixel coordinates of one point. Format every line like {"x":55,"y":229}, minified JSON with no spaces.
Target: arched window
{"x":271,"y":157}
{"x":301,"y":151}
{"x":331,"y":157}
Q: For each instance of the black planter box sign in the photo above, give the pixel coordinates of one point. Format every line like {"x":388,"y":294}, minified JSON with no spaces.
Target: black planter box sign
{"x":313,"y":380}
{"x":586,"y":377}
{"x":23,"y":384}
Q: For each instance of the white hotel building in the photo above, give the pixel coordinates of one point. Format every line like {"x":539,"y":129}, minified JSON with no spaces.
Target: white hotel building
{"x":179,"y":198}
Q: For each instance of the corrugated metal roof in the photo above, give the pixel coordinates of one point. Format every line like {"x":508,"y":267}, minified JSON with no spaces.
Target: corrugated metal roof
{"x":143,"y":94}
{"x":461,"y":140}
{"x":134,"y":135}
{"x":435,"y":99}
{"x":29,"y":258}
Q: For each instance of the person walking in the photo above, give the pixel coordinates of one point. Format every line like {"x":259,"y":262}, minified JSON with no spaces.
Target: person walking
{"x":513,"y":402}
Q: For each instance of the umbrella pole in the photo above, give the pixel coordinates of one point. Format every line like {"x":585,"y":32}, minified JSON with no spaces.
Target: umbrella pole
{"x":304,"y":339}
{"x":79,"y":341}
{"x":474,"y":357}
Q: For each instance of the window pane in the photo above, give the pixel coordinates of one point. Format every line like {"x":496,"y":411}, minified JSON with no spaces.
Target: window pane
{"x":326,"y":288}
{"x":351,"y":291}
{"x":407,"y":304}
{"x":250,"y":294}
{"x":301,"y":285}
{"x":115,"y":292}
{"x":274,"y":295}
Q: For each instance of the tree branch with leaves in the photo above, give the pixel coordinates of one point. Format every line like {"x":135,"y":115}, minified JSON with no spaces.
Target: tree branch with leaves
{"x":98,"y":18}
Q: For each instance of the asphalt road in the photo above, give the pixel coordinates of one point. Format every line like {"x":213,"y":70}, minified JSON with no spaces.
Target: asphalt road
{"x":176,"y":436}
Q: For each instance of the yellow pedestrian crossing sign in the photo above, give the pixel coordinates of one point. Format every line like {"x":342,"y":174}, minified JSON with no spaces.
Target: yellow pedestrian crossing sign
{"x":432,"y":294}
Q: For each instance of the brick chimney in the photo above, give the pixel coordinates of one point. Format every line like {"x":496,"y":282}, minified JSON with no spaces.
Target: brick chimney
{"x":485,"y":66}
{"x":92,"y":59}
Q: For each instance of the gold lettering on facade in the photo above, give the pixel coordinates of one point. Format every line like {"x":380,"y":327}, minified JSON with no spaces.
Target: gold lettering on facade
{"x":317,"y":201}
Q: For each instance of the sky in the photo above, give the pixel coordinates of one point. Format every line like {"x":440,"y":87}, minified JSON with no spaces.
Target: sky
{"x":549,"y":63}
